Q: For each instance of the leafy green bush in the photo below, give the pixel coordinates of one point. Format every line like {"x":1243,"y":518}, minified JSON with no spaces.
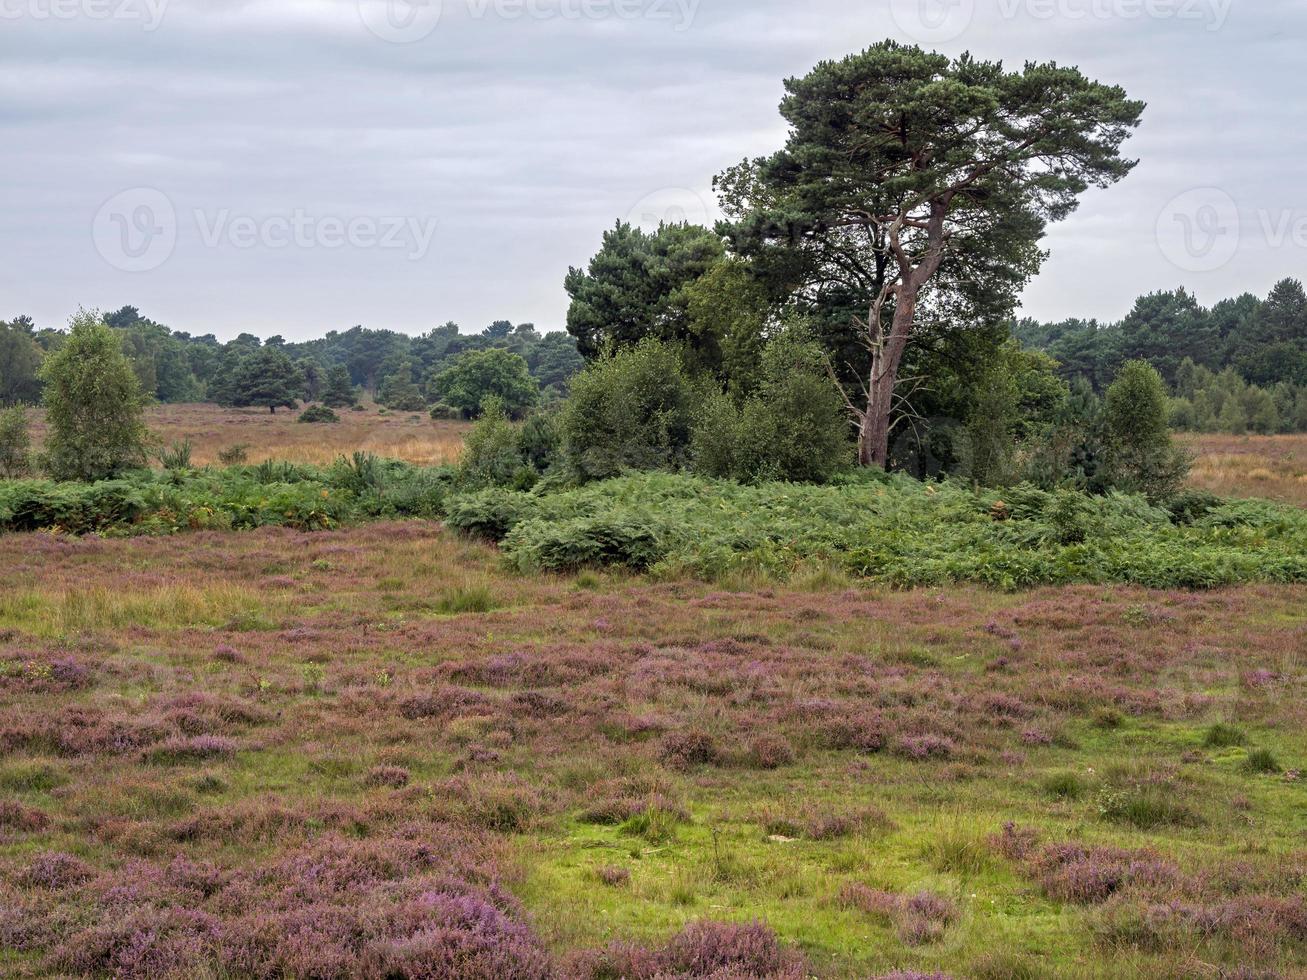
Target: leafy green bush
{"x":630,"y":410}
{"x":793,"y":428}
{"x":490,"y":514}
{"x":583,"y":542}
{"x":315,"y":414}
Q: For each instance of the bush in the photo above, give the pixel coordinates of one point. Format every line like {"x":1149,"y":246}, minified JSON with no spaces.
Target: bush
{"x":177,"y":456}
{"x":1141,"y":456}
{"x":318,"y":414}
{"x":15,"y":443}
{"x":632,"y":410}
{"x":234,"y":455}
{"x":793,"y":429}
{"x":94,"y":405}
{"x":890,"y":529}
{"x":490,"y":453}
{"x":584,"y":542}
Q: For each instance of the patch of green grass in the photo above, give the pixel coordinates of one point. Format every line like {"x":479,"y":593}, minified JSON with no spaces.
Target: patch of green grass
{"x":656,"y":825}
{"x":1063,"y":785}
{"x":465,"y":599}
{"x":1147,"y":808}
{"x":31,"y":777}
{"x":1223,"y":736}
{"x":1262,"y":762}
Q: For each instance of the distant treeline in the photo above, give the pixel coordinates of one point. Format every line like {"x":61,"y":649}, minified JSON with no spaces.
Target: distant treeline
{"x":1240,"y":366}
{"x":174,"y":366}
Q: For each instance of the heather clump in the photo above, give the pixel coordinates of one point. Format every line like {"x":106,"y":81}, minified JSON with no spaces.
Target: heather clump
{"x":919,"y":919}
{"x":702,"y":951}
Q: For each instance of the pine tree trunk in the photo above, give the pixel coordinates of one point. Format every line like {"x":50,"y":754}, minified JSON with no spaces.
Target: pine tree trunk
{"x":873,"y":434}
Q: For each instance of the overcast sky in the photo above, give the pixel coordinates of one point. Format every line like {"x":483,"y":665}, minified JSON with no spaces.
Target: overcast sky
{"x":296,"y":166}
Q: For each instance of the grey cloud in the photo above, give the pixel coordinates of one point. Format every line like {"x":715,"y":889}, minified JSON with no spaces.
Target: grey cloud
{"x":523,"y":139}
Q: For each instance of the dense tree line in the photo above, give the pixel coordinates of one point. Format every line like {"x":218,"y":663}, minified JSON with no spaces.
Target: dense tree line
{"x":401,"y":371}
{"x":1239,"y":366}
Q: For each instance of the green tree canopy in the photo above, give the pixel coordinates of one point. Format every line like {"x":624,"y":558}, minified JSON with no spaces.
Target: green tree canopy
{"x":634,"y":288}
{"x":339,"y":392}
{"x":477,"y":375}
{"x":94,"y":405}
{"x":913,"y":191}
{"x":20,"y":363}
{"x":268,"y":379}
{"x":1141,"y":455}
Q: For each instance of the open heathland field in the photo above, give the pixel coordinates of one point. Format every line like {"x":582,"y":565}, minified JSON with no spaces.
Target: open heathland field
{"x":1274,"y":467}
{"x":263,"y":435}
{"x":379,"y":752}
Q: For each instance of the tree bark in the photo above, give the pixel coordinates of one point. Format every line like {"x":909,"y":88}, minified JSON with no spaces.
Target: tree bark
{"x":886,"y":358}
{"x":887,"y":351}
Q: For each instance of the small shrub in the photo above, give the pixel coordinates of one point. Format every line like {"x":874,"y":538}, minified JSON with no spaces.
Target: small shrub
{"x":770,"y":752}
{"x":16,"y":817}
{"x":317,"y":415}
{"x":393,"y":777}
{"x":686,"y":748}
{"x":234,"y":455}
{"x":195,"y":748}
{"x":613,"y":876}
{"x":55,"y":871}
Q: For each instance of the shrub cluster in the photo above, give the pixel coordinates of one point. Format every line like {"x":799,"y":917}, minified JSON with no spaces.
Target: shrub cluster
{"x":281,"y":494}
{"x":891,"y":529}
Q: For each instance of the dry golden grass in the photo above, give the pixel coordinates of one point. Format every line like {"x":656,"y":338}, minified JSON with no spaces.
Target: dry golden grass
{"x":1273,"y":467}
{"x":211,"y":429}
